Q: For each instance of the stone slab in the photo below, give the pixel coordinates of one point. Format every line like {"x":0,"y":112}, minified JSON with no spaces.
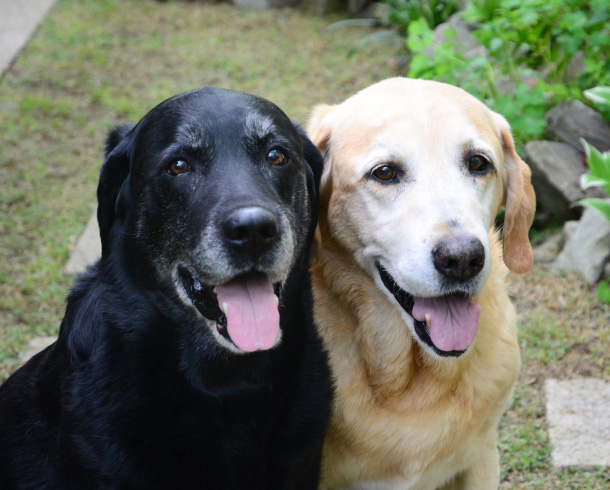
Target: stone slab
{"x":36,"y":345}
{"x":88,"y":248}
{"x":18,"y":20}
{"x":578,"y":413}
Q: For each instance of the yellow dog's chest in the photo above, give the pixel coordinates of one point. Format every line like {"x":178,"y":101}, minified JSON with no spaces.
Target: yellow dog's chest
{"x":417,"y":448}
{"x":421,"y":438}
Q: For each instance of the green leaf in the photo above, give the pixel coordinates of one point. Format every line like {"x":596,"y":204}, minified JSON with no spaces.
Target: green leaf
{"x":419,"y":27}
{"x":599,"y":95}
{"x":420,"y":36}
{"x":603,"y":291}
{"x":495,"y":44}
{"x":598,"y":204}
{"x":588,"y":180}
{"x":599,"y":163}
{"x":600,"y":39}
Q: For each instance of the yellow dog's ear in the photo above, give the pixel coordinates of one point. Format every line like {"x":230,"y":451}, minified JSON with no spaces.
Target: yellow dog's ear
{"x":319,"y":130}
{"x":520,"y":204}
{"x":319,"y":126}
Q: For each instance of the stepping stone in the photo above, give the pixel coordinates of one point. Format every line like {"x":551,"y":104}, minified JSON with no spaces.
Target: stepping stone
{"x":18,"y":20}
{"x":36,"y":345}
{"x":88,"y":248}
{"x":578,"y":413}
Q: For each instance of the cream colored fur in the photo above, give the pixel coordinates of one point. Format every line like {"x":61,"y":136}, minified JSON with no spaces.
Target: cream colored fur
{"x":404,"y":417}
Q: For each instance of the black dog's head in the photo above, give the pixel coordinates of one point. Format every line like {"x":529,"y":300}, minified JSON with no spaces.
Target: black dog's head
{"x":211,"y":198}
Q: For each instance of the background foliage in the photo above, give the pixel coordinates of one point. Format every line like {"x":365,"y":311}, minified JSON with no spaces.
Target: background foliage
{"x":538,"y":52}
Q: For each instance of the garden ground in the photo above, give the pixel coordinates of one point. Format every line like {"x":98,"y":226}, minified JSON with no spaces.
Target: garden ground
{"x":93,"y":64}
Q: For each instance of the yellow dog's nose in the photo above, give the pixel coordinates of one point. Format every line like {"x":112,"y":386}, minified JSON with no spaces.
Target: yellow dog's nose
{"x":459,"y":258}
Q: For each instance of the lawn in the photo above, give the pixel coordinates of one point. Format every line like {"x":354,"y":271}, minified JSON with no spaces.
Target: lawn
{"x":97,"y":63}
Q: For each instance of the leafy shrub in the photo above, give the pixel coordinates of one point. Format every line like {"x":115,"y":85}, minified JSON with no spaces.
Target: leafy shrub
{"x":395,"y":17}
{"x":401,"y":13}
{"x":530,"y":43}
{"x":546,"y":34}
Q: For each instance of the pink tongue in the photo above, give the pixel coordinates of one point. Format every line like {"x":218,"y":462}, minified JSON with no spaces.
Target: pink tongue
{"x":453,"y":320}
{"x":253,"y":320}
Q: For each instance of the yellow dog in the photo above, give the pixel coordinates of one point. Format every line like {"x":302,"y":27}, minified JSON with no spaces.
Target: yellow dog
{"x":410,"y":283}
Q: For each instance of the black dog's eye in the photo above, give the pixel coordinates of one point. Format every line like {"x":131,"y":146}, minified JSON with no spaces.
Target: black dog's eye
{"x":276,"y":157}
{"x":385,"y":173}
{"x":478,"y":164}
{"x":178,"y":167}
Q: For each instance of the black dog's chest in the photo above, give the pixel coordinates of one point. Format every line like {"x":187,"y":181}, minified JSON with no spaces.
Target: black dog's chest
{"x":165,"y":434}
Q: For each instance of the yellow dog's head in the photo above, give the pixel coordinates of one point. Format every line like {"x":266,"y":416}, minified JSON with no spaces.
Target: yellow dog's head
{"x":415,"y":174}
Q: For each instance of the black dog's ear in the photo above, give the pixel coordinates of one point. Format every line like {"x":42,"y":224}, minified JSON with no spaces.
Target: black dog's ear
{"x":115,"y":136}
{"x":112,"y":177}
{"x":315,"y":163}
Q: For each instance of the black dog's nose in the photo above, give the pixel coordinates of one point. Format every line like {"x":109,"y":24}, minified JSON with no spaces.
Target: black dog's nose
{"x":252,"y":229}
{"x":459,"y":258}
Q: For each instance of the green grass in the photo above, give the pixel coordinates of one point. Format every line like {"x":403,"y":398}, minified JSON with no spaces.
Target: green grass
{"x":96,"y":63}
{"x":563,"y":334}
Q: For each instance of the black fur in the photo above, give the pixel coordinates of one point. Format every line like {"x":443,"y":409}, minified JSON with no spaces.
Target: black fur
{"x":137,"y":393}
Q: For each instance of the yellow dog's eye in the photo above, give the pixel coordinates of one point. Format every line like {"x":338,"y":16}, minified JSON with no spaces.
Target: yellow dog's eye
{"x":477,"y":164}
{"x":276,"y":157}
{"x":384,"y":173}
{"x":178,"y":167}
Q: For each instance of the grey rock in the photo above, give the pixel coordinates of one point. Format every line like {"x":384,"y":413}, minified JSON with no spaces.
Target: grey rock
{"x":575,"y":120}
{"x":547,"y":252}
{"x":569,"y":228}
{"x":586,"y":252}
{"x":88,"y":248}
{"x":556,"y":170}
{"x":465,"y":43}
{"x":579,"y":421}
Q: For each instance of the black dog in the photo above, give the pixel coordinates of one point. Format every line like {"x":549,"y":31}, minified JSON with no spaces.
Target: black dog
{"x":172,"y":368}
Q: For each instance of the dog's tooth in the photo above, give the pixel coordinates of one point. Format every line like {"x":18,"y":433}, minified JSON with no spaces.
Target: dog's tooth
{"x":428,"y":319}
{"x":277,"y":300}
{"x":214,"y":289}
{"x":225,"y":308}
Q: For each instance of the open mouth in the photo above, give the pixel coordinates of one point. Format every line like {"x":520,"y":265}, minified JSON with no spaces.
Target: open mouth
{"x":245,"y":308}
{"x":447,"y":324}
